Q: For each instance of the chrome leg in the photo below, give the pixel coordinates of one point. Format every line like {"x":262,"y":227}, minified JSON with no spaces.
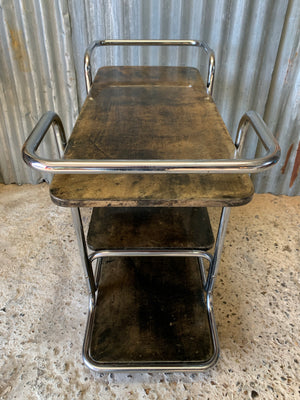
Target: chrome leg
{"x":213,"y":327}
{"x":93,"y":279}
{"x":98,"y":272}
{"x":105,"y":365}
{"x":213,"y":269}
{"x":87,"y":265}
{"x":202,"y":271}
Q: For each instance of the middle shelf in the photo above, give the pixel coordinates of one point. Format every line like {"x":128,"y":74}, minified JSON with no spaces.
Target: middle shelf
{"x":150,"y":228}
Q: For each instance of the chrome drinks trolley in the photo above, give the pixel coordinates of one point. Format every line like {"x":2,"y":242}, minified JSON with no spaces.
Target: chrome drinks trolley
{"x":149,"y":153}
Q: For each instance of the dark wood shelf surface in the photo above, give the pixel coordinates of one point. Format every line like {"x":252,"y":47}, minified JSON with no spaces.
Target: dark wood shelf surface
{"x":150,"y":228}
{"x":158,"y":113}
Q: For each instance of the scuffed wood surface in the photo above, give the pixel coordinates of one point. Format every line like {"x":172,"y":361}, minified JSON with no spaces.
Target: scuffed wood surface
{"x":150,"y":190}
{"x":151,"y":309}
{"x":150,"y":113}
{"x":150,"y":228}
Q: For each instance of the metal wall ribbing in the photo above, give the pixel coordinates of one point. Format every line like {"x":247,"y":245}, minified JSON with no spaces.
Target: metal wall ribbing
{"x":257,"y":57}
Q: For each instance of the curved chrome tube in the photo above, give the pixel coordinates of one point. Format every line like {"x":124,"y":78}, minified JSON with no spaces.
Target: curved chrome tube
{"x":136,"y":366}
{"x":196,"y":43}
{"x":99,"y":366}
{"x":63,"y":166}
{"x":261,"y":129}
{"x":34,"y":140}
{"x":150,"y":253}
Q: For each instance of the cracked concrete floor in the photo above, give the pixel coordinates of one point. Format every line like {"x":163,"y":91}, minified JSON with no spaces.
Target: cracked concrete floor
{"x":43,"y":308}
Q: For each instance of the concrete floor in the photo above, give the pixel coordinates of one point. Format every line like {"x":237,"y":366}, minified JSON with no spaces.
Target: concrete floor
{"x":43,"y":308}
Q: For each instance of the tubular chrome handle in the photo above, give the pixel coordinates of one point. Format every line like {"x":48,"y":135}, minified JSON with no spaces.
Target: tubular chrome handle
{"x":217,"y":166}
{"x":196,"y":43}
{"x":264,"y":134}
{"x":37,"y":135}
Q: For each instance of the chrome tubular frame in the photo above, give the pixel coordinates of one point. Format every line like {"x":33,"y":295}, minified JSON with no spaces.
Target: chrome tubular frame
{"x":236,"y":165}
{"x":172,"y":366}
{"x":51,"y":119}
{"x":213,"y":269}
{"x":195,"y":43}
{"x":87,"y":265}
{"x":242,"y":166}
{"x":150,"y":253}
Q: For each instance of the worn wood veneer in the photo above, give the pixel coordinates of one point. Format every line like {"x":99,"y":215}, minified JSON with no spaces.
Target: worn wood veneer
{"x":149,"y":228}
{"x":150,"y":113}
{"x":151,"y":310}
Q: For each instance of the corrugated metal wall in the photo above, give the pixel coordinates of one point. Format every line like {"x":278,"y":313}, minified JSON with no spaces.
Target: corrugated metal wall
{"x":257,"y":56}
{"x":37,"y":74}
{"x":282,"y":111}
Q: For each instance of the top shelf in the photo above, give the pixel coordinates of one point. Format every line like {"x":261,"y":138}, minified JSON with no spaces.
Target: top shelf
{"x":150,"y":113}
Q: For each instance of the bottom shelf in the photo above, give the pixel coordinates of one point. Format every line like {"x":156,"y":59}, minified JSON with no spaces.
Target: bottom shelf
{"x":151,"y":313}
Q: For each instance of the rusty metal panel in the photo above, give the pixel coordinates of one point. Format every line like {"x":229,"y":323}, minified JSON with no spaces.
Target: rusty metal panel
{"x":256,"y":50}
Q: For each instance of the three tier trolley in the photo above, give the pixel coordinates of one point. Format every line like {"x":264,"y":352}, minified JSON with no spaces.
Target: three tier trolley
{"x":149,"y":153}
